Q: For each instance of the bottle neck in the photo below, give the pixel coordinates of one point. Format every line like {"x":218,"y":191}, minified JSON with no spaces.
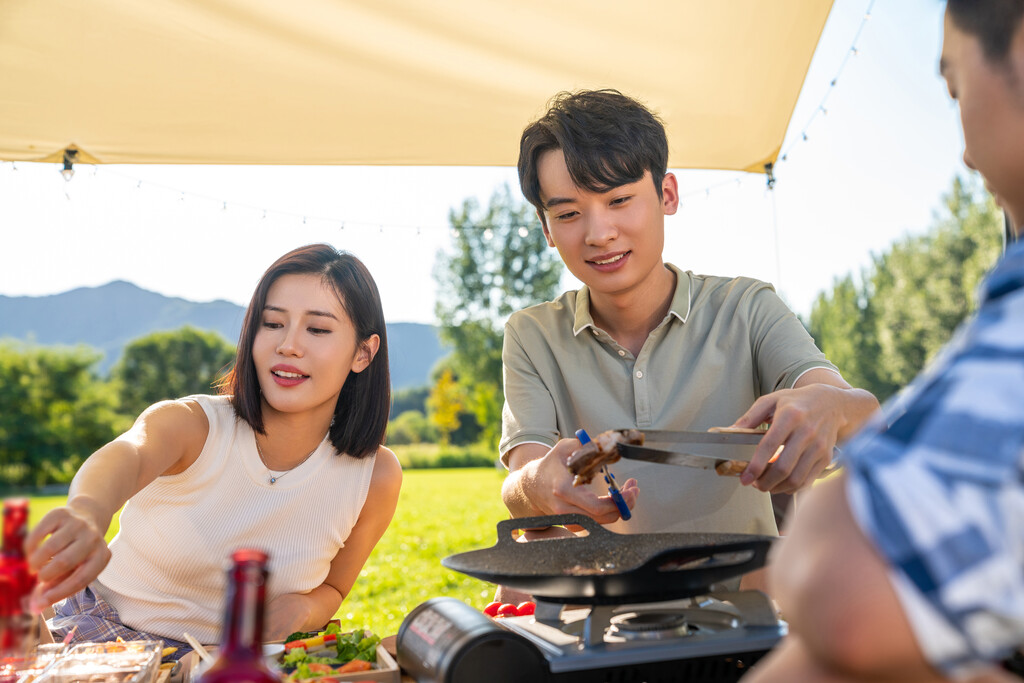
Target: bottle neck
{"x":243,"y":623}
{"x":15,"y":529}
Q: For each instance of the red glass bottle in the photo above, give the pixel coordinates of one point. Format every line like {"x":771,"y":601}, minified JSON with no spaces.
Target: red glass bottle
{"x":16,"y":583}
{"x":241,"y":653}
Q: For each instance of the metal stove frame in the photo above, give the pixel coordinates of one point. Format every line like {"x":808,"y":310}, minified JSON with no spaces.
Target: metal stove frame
{"x":573,"y":637}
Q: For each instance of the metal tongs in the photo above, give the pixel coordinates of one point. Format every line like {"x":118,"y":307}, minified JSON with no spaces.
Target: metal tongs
{"x":726,"y":450}
{"x":609,"y":478}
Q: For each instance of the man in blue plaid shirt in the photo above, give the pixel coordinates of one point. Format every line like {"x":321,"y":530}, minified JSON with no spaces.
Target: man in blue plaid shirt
{"x":910,"y":566}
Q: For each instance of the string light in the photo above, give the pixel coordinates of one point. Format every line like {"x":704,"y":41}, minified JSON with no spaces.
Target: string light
{"x":69,"y":164}
{"x":822,"y":109}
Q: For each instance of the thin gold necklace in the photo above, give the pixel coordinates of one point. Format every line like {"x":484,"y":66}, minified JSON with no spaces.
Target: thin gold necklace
{"x":275,"y":477}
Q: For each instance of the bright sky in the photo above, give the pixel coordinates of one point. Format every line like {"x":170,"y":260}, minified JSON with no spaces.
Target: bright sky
{"x":871,"y":170}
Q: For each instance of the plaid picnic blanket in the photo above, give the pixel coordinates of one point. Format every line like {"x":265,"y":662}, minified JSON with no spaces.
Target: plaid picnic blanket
{"x":97,"y":621}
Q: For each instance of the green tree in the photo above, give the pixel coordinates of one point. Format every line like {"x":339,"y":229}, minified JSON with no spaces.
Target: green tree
{"x":54,"y":412}
{"x":410,"y":399}
{"x":411,"y":426}
{"x":882,"y":333}
{"x":168,"y":365}
{"x":444,"y":405}
{"x":500,"y":263}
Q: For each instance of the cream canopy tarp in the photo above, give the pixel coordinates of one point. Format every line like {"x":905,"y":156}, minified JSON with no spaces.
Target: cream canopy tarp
{"x":404,"y":82}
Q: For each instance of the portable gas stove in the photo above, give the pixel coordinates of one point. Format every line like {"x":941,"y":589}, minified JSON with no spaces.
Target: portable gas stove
{"x":700,"y":639}
{"x":611,"y":608}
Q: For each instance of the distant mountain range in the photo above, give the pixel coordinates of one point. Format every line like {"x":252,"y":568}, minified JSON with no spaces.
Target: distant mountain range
{"x":109,"y":317}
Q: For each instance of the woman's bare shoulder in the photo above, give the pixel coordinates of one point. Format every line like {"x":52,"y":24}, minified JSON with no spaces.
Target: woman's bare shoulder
{"x":387,"y":470}
{"x":176,"y":428}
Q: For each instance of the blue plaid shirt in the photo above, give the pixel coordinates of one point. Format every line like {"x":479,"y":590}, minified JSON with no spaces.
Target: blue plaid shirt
{"x":940,"y":490}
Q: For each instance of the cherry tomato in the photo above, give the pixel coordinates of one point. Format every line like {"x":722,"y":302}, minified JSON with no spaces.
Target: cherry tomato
{"x":508,"y":610}
{"x":492,"y":609}
{"x":525,"y":608}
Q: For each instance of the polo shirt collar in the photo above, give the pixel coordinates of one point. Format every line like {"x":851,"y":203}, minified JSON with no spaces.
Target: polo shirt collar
{"x":680,"y":306}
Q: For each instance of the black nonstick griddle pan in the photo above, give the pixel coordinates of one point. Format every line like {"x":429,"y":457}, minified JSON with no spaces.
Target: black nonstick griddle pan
{"x":604,"y":567}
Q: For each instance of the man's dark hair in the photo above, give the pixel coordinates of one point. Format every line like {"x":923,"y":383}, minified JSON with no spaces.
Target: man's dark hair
{"x":361,"y":413}
{"x":992,"y":22}
{"x":608,"y":140}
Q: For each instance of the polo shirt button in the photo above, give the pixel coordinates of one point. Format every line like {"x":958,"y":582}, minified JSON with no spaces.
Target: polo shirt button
{"x":594,"y":331}
{"x":639,"y":374}
{"x":621,"y":352}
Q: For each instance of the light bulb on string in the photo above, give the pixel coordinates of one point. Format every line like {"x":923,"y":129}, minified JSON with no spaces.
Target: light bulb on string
{"x":69,"y":164}
{"x":523,"y":231}
{"x":488,"y":234}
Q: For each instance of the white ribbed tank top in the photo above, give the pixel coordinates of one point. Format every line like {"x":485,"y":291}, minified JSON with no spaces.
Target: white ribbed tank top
{"x":167,"y":573}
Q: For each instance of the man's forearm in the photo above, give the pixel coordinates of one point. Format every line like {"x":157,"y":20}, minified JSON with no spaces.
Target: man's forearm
{"x":513,"y":493}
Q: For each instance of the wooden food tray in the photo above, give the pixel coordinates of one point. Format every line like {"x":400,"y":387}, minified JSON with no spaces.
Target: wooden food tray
{"x":386,"y":671}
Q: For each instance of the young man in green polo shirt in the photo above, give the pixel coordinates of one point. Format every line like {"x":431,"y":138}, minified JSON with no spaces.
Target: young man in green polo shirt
{"x":644,"y":344}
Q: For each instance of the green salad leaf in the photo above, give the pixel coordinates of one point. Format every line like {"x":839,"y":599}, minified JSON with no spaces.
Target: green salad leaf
{"x":359,"y":644}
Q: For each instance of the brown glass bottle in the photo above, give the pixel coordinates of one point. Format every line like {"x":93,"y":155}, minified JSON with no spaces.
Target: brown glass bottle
{"x":16,"y":583}
{"x":241,"y":654}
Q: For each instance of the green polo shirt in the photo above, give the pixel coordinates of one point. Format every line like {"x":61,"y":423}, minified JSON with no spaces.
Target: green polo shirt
{"x":724,"y":343}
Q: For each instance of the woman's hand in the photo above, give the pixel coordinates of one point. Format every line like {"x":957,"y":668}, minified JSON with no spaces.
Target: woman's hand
{"x":67,"y":551}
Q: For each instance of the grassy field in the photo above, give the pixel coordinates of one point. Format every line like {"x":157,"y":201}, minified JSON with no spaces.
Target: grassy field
{"x":440,"y":512}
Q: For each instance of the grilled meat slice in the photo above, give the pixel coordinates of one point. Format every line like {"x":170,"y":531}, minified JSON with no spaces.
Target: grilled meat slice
{"x":602,"y":450}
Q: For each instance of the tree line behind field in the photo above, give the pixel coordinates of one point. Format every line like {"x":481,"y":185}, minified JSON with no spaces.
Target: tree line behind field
{"x":879,"y":327}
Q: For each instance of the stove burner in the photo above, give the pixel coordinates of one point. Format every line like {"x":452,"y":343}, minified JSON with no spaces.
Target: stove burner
{"x":650,"y":625}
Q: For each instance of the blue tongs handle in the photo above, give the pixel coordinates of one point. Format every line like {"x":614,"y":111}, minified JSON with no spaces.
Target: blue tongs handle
{"x":609,"y":479}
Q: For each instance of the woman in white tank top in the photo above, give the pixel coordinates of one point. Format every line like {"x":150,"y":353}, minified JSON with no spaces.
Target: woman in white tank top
{"x":283,"y":461}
